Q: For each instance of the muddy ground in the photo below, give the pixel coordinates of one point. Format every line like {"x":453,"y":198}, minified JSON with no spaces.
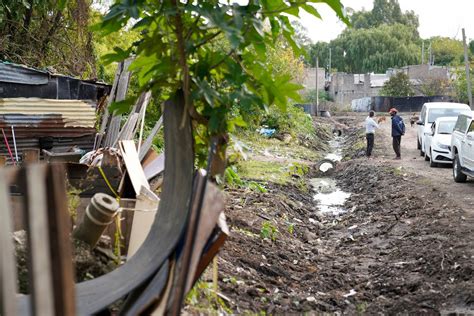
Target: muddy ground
{"x":405,"y":245}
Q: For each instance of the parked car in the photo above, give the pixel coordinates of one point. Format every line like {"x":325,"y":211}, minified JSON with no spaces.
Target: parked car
{"x":462,"y":147}
{"x":430,"y":112}
{"x":438,"y":141}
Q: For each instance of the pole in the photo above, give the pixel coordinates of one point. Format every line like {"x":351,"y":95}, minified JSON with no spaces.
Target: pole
{"x":317,"y":90}
{"x":423,"y":52}
{"x":468,"y":76}
{"x":329,"y":70}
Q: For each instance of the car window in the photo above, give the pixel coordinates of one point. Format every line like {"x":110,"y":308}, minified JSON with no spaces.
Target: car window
{"x":461,"y":124}
{"x":446,"y":127}
{"x":433,"y":114}
{"x":471,"y":127}
{"x":423,"y":114}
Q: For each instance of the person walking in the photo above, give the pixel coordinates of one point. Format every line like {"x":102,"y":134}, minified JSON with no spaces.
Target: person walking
{"x":370,"y":126}
{"x":398,"y":130}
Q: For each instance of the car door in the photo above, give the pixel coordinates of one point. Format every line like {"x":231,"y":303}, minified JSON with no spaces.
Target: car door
{"x":428,"y":139}
{"x":468,"y":148}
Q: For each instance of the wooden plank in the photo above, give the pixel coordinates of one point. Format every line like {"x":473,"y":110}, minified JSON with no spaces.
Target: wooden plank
{"x":8,"y":273}
{"x":59,"y":241}
{"x":40,"y":273}
{"x":145,"y":147}
{"x":31,"y":155}
{"x":132,"y":163}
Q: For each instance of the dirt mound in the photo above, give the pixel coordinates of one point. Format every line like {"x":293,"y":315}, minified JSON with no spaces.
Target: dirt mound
{"x":396,"y":250}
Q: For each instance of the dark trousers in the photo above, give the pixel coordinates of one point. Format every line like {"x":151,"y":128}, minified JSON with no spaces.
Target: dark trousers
{"x":397,"y":140}
{"x":370,"y":143}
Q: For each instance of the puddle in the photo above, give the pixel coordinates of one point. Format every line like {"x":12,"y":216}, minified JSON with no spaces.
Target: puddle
{"x":335,"y":145}
{"x":330,"y":198}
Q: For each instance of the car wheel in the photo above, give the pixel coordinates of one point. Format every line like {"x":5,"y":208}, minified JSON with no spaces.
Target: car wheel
{"x":418,"y":144}
{"x":426,"y":157}
{"x":457,"y":174}
{"x":432,"y":163}
{"x":422,"y":154}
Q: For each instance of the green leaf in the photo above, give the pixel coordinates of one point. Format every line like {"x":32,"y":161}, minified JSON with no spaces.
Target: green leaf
{"x":311,"y":10}
{"x":121,"y":107}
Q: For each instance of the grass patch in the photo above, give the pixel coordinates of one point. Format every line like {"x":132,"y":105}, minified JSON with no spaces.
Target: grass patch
{"x":264,"y":171}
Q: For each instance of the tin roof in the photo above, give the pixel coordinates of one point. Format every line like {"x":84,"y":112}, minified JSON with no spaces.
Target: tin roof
{"x":33,"y":117}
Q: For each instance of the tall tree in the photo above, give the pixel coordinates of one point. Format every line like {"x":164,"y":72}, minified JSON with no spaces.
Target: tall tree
{"x":447,"y":51}
{"x":384,"y":12}
{"x":44,"y":33}
{"x":180,"y":50}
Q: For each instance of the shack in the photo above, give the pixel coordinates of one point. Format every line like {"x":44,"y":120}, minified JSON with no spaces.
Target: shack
{"x":44,"y":110}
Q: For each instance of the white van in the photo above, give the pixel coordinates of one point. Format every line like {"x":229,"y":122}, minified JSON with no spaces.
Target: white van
{"x":430,"y":112}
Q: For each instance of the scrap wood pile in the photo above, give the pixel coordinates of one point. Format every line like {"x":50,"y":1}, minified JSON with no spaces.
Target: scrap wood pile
{"x":172,"y":238}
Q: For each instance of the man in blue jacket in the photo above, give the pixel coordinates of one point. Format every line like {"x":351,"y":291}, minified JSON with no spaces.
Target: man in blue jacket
{"x":398,"y":130}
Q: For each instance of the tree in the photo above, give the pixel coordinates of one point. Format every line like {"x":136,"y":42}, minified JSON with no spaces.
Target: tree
{"x":375,"y":49}
{"x":460,"y":84}
{"x":434,"y":86}
{"x":384,"y":12}
{"x":43,"y":33}
{"x":398,"y":85}
{"x":382,"y":38}
{"x":447,"y":51}
{"x":181,"y":49}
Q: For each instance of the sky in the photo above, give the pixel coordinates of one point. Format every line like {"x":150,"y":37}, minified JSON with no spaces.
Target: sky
{"x":437,"y":18}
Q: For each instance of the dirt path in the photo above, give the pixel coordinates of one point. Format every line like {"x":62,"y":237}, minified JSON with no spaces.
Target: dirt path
{"x":440,"y":177}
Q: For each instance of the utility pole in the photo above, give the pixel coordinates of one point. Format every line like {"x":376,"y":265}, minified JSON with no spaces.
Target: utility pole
{"x":422,"y":52}
{"x":329,"y":69}
{"x":468,"y":76}
{"x":317,"y":90}
{"x":429,"y":49}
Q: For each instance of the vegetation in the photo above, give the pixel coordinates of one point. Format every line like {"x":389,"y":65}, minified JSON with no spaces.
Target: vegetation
{"x":398,"y":85}
{"x":52,"y":34}
{"x":379,"y":39}
{"x":216,"y":54}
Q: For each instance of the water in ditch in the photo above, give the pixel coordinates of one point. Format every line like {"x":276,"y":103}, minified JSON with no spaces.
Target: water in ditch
{"x":328,"y":195}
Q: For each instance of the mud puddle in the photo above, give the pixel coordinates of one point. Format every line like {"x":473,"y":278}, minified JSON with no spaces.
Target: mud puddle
{"x":330,"y":198}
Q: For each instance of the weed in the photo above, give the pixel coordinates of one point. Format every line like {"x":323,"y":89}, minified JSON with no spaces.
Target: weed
{"x":361,"y":308}
{"x":203,"y":297}
{"x":297,"y":169}
{"x":232,"y":179}
{"x":268,"y":231}
{"x":73,"y":202}
{"x":291,"y":228}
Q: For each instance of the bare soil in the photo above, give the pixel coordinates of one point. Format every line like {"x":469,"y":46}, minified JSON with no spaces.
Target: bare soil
{"x":405,"y":246}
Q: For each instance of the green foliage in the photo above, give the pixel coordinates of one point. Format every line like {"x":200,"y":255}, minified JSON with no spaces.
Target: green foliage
{"x":293,"y":121}
{"x":310,"y":96}
{"x":460,"y":85}
{"x":202,"y":297}
{"x":384,"y":12}
{"x":269,"y":231}
{"x":447,"y":51}
{"x":298,"y":169}
{"x":291,"y":228}
{"x":233,"y":180}
{"x":434,"y":86}
{"x":380,"y":39}
{"x":217,"y":53}
{"x":398,"y":85}
{"x":51,"y":34}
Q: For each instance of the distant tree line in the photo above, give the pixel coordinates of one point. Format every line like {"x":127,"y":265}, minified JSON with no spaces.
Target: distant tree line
{"x":383,"y":38}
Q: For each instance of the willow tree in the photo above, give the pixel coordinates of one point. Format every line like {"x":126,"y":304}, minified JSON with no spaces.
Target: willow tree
{"x":181,"y":50}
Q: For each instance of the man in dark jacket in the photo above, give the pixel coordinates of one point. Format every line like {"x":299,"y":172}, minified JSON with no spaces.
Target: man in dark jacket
{"x":398,"y":130}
